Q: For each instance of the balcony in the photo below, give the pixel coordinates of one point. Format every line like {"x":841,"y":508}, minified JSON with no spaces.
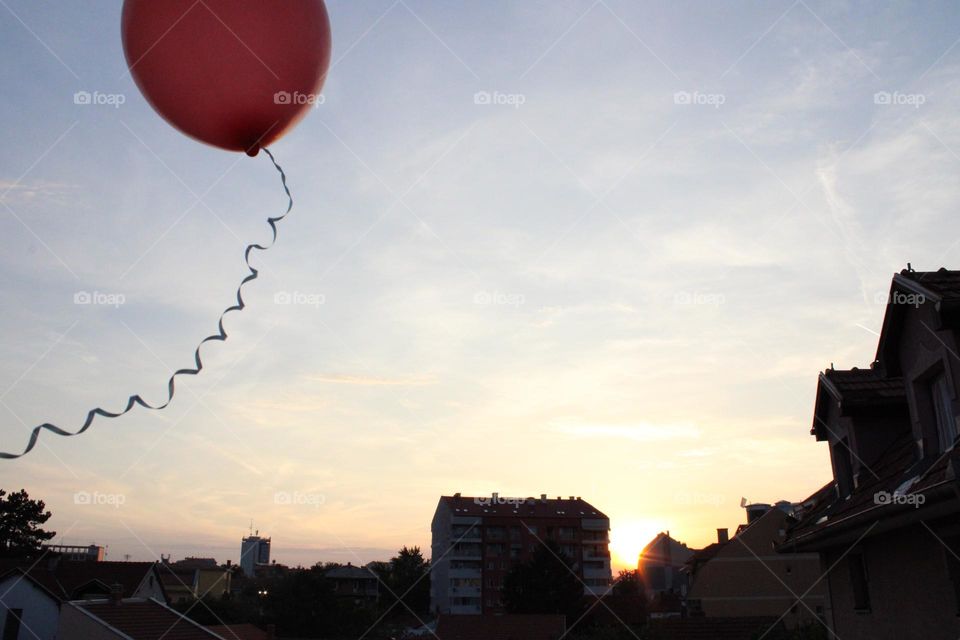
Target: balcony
{"x":465,"y":553}
{"x":465,"y":572}
{"x":592,"y":572}
{"x":466,"y":609}
{"x":596,"y":590}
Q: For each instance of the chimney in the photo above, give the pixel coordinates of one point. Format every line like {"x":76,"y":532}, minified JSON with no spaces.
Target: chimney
{"x":456,"y":495}
{"x":496,"y":496}
{"x":723,"y":536}
{"x":116,"y":594}
{"x":543,"y":498}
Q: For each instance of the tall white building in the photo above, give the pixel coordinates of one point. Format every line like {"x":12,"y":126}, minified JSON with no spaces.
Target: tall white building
{"x":254,"y":552}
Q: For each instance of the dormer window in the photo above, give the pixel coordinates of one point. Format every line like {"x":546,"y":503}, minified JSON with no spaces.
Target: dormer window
{"x":941,"y":401}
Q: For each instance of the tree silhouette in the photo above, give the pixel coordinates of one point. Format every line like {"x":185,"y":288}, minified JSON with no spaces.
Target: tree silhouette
{"x":545,"y":584}
{"x":408,"y":575}
{"x":20,"y":522}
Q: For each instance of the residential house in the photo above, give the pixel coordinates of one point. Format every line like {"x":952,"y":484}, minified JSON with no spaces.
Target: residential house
{"x":34,"y":592}
{"x":192,"y":578}
{"x":476,"y":541}
{"x":886,"y":525}
{"x":661,"y":566}
{"x":118,"y":618}
{"x":745,"y":576}
{"x":359,"y":584}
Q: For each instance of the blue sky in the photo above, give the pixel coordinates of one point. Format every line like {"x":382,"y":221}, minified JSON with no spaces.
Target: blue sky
{"x":617,"y":280}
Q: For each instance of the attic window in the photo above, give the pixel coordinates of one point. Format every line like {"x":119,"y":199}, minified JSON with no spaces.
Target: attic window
{"x":941,"y":399}
{"x":843,"y":467}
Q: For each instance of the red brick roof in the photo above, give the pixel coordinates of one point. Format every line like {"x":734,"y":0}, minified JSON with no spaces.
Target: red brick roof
{"x":147,"y":620}
{"x":239,"y":631}
{"x":894,"y":470}
{"x":66,"y":578}
{"x":942,"y":283}
{"x":526,"y":507}
{"x":505,"y":627}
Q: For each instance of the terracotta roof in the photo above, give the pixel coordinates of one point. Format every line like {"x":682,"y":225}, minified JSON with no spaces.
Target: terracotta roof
{"x":67,"y":578}
{"x":661,"y":550}
{"x":505,"y":627}
{"x":350,"y":572}
{"x":895,"y":471}
{"x":705,"y":554}
{"x":854,"y":389}
{"x":526,"y":507}
{"x":944,"y":284}
{"x":147,"y":620}
{"x":239,"y":631}
{"x":865,"y":385}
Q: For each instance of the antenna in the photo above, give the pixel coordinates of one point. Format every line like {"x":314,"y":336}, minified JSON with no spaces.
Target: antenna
{"x":251,"y":527}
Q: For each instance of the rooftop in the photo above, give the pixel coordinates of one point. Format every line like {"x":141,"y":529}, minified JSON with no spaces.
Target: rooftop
{"x":541,"y":507}
{"x":146,"y":620}
{"x":66,"y":579}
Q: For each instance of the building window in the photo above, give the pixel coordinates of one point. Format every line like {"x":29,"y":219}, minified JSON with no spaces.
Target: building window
{"x":941,"y":398}
{"x":858,"y":581}
{"x":11,"y":626}
{"x":843,"y":467}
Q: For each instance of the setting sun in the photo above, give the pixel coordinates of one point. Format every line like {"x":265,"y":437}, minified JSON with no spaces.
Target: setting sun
{"x":628,"y":538}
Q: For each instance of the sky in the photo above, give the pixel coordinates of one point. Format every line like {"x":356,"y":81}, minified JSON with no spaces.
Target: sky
{"x":593,"y":248}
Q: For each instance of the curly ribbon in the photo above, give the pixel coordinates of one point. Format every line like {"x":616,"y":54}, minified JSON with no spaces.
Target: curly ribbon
{"x":220,"y":336}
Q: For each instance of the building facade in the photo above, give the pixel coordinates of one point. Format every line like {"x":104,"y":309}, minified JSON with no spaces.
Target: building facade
{"x":476,"y":541}
{"x":661,"y":566}
{"x":254,"y":552}
{"x":744,"y":576}
{"x":92,"y":552}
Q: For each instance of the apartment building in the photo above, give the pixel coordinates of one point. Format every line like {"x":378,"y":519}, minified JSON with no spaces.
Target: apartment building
{"x":477,"y":540}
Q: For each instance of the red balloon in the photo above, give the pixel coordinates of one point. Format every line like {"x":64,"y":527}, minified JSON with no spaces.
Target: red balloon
{"x":236,"y":74}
